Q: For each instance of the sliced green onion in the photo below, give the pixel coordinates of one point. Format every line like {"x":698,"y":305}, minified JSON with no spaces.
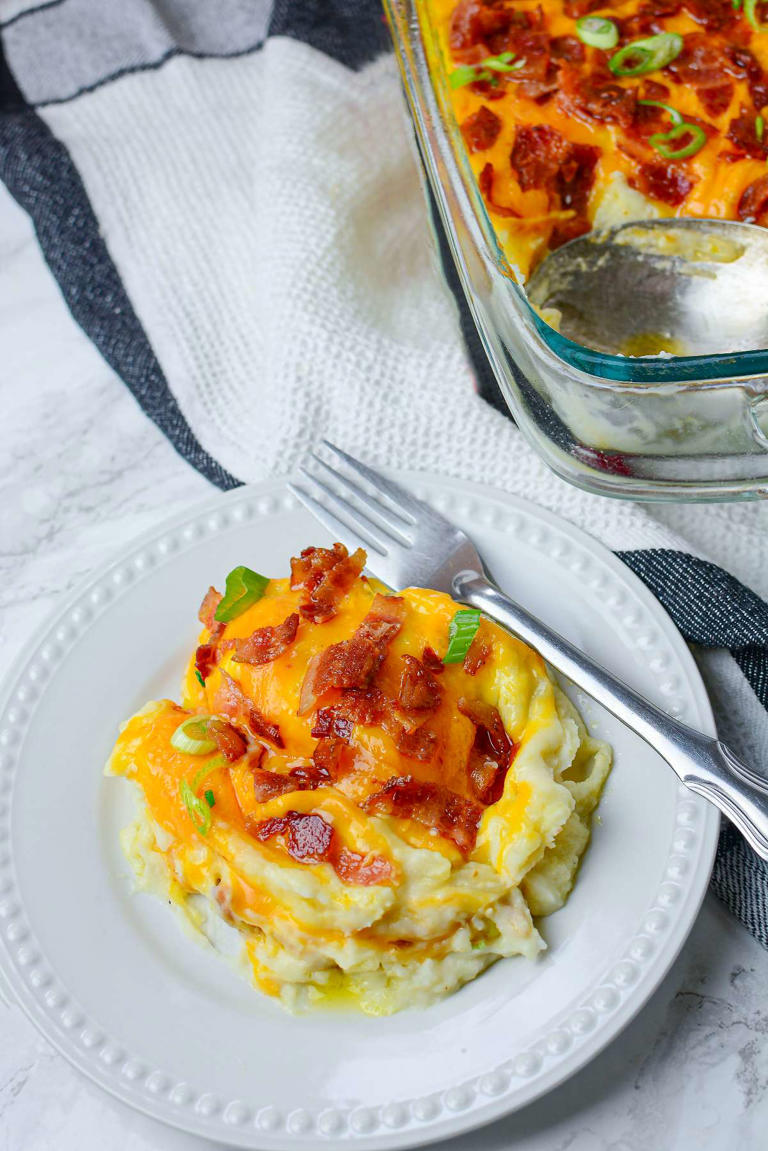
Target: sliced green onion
{"x":675,"y":116}
{"x":660,"y":141}
{"x":461,"y":632}
{"x":642,"y":56}
{"x":209,"y":797}
{"x":750,"y":11}
{"x":206,"y":769}
{"x":597,"y":31}
{"x":244,"y":587}
{"x":199,"y":677}
{"x":471,"y":73}
{"x":199,"y":812}
{"x":736,"y":4}
{"x":191,"y":736}
{"x":759,"y":127}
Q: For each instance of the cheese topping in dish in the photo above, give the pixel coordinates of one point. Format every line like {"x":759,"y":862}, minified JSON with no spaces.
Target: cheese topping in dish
{"x":577,"y":113}
{"x":365,"y":797}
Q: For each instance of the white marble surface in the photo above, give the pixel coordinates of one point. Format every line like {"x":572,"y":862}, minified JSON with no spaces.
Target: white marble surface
{"x":82,"y":470}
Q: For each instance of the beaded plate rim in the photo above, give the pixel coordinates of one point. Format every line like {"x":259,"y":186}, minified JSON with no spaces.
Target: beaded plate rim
{"x":616,"y":995}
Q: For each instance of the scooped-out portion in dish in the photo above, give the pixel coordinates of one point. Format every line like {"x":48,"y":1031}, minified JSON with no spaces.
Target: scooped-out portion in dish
{"x":580,"y":115}
{"x":364,"y":798}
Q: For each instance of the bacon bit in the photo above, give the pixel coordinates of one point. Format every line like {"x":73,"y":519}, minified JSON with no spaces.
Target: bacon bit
{"x":478,"y":655}
{"x":430,"y":804}
{"x":715,"y":15}
{"x":646,"y":21}
{"x":577,"y":8}
{"x":267,"y":643}
{"x":311,"y":839}
{"x":653,"y":90}
{"x":207,"y":611}
{"x":742,"y":133}
{"x":753,"y":205}
{"x":328,"y":722}
{"x":491,"y":753}
{"x":325,"y":575}
{"x":229,"y":700}
{"x":481,"y":129}
{"x":419,"y":690}
{"x":664,"y":182}
{"x":268,"y":784}
{"x":328,"y":756}
{"x":485,"y":183}
{"x":597,"y":97}
{"x":206,"y":658}
{"x":537,"y":78}
{"x":419,"y":743}
{"x":432,"y":661}
{"x":744,"y":65}
{"x":229,"y":741}
{"x":576,"y":177}
{"x":353,"y":662}
{"x":537,"y":154}
{"x":567,"y":48}
{"x":471,"y":25}
{"x":717,"y":99}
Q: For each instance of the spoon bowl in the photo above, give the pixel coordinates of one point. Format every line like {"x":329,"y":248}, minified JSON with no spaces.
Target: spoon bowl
{"x":659,"y":287}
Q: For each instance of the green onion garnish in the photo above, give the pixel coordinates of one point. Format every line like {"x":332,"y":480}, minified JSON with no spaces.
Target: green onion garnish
{"x":660,"y":141}
{"x":736,"y":4}
{"x":209,"y":797}
{"x":675,"y":116}
{"x":244,"y":587}
{"x":191,"y":736}
{"x":461,"y":632}
{"x":199,"y":677}
{"x":212,"y":765}
{"x":642,"y":56}
{"x":750,"y":11}
{"x":759,"y":127}
{"x":597,"y":31}
{"x":199,"y":812}
{"x":471,"y":73}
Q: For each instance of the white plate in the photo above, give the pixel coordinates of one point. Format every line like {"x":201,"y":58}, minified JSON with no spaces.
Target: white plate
{"x":110,"y":979}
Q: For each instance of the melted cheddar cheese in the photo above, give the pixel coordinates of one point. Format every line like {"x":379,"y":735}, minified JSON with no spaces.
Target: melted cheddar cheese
{"x":718,"y":82}
{"x":439,"y":908}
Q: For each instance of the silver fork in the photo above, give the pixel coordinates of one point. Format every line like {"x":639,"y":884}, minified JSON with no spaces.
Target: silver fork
{"x":411,"y":545}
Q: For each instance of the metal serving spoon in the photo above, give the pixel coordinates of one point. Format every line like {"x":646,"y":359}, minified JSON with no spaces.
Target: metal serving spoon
{"x":686,"y":287}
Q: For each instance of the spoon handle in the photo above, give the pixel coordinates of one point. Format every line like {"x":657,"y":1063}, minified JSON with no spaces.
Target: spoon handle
{"x":704,"y":764}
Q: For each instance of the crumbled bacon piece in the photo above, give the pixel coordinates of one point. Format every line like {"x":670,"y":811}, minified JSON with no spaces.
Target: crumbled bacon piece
{"x":646,"y":21}
{"x":325,"y":575}
{"x":329,"y":722}
{"x":353,"y":662}
{"x":537,"y":154}
{"x":419,"y":690}
{"x":491,"y":752}
{"x":743,"y":64}
{"x":665,"y":182}
{"x":577,"y":8}
{"x":267,"y":643}
{"x":268,"y":784}
{"x":309,"y":838}
{"x":753,"y":205}
{"x":577,"y":176}
{"x":597,"y":97}
{"x":715,"y":15}
{"x":432,"y":661}
{"x":228,"y":739}
{"x":329,"y":754}
{"x":653,"y":90}
{"x":743,"y":133}
{"x":567,"y":48}
{"x":472,"y":24}
{"x":479,"y":653}
{"x":485,"y":183}
{"x":206,"y":658}
{"x":416,"y":743}
{"x":481,"y":129}
{"x":537,"y":76}
{"x":230,"y":700}
{"x":717,"y":99}
{"x":207,"y":611}
{"x":450,"y":814}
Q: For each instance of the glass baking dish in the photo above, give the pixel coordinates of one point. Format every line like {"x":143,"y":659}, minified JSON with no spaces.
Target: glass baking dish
{"x":652,"y":428}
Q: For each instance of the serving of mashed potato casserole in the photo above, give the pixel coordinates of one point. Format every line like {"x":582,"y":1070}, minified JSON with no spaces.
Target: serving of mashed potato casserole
{"x":365,"y":799}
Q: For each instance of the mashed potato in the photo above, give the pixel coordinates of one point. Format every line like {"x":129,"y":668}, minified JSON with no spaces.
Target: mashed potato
{"x":343,"y":813}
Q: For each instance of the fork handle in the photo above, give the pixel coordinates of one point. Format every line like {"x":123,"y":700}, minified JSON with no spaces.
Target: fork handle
{"x":705,"y":765}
